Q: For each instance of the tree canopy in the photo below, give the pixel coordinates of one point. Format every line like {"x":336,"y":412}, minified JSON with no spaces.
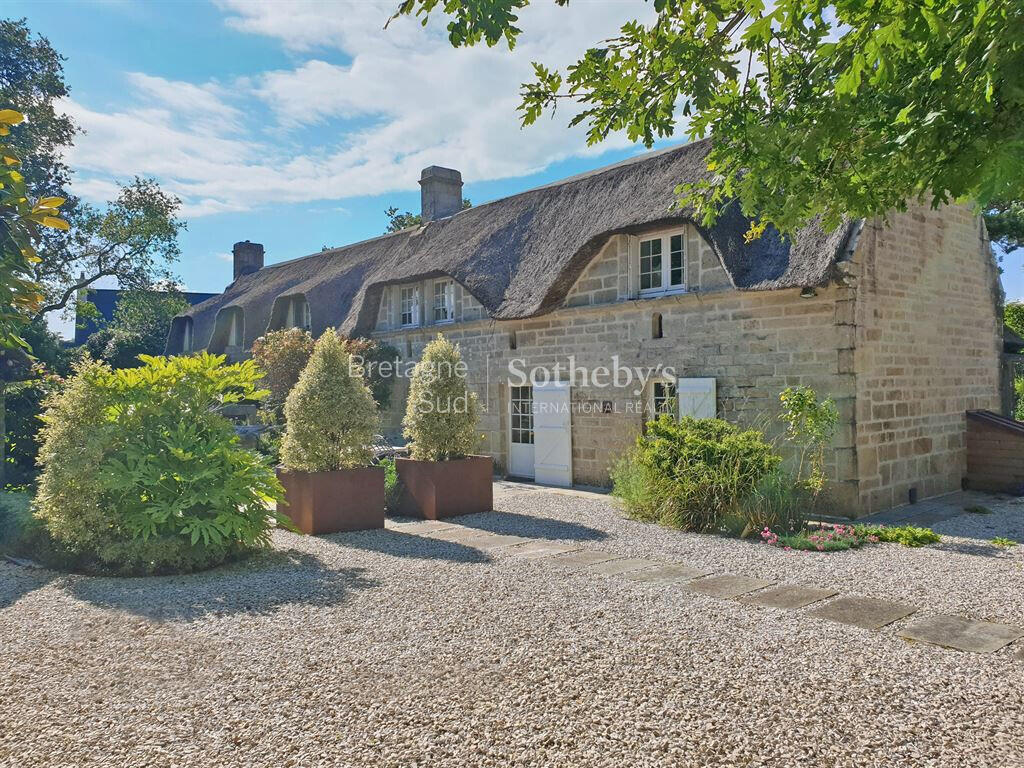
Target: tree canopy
{"x":399,"y":221}
{"x":132,"y":238}
{"x":817,"y":109}
{"x":141,"y":322}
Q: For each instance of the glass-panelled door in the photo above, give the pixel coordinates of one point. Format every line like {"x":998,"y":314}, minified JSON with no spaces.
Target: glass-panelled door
{"x":520,"y":455}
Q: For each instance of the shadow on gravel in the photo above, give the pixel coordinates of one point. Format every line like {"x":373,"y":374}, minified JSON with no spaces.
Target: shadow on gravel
{"x":532,"y":526}
{"x":398,"y":544}
{"x":16,"y":582}
{"x":259,"y":585}
{"x":981,"y":549}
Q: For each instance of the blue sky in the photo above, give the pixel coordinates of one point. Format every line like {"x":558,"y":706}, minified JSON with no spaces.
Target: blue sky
{"x":296,"y":124}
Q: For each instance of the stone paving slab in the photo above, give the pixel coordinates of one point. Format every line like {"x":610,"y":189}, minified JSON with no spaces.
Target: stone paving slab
{"x":863,"y":612}
{"x":665,"y":573}
{"x":788,"y":596}
{"x":459,"y":535}
{"x":583,"y":557}
{"x":727,"y":585}
{"x":420,"y":527}
{"x":962,"y":634}
{"x":622,"y":565}
{"x":497,"y":540}
{"x":535,"y":549}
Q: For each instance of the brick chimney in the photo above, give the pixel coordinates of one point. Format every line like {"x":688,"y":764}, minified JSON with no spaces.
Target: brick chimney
{"x":248,"y":258}
{"x":440,"y":193}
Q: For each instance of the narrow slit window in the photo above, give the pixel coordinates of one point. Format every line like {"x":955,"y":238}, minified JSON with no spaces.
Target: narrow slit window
{"x":512,"y":341}
{"x":186,"y":336}
{"x":657,"y":328}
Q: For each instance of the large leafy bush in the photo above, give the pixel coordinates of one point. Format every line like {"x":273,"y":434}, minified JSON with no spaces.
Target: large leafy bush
{"x":693,"y":473}
{"x":441,"y":414}
{"x":141,"y":474}
{"x":330,"y":415}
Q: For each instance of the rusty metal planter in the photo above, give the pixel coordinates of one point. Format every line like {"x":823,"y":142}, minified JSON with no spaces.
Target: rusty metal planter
{"x":438,"y":489}
{"x":329,"y":502}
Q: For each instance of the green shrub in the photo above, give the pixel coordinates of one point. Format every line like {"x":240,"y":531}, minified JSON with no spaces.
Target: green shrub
{"x":1005,"y":543}
{"x":370,"y":353}
{"x":778,"y":502}
{"x":330,"y":415}
{"x":907,"y":535}
{"x":392,"y":484}
{"x":141,"y":474}
{"x":15,"y":516}
{"x":810,"y":425}
{"x":282,"y":355}
{"x":441,"y":415}
{"x":692,"y":474}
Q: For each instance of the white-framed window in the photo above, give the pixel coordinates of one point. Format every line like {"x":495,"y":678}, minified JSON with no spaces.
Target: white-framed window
{"x":663,"y":398}
{"x":187,"y":335}
{"x":662,"y":264}
{"x":298,"y":314}
{"x":444,"y":301}
{"x":235,"y":329}
{"x":409,"y":305}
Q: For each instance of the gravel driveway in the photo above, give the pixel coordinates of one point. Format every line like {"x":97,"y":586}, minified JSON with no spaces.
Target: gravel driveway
{"x":388,"y":649}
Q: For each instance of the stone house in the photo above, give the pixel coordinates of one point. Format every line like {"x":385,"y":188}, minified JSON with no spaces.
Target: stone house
{"x":897,"y":320}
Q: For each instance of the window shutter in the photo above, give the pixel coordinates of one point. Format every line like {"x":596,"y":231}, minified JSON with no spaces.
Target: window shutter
{"x":632,"y":266}
{"x":697,"y":398}
{"x":395,"y":305}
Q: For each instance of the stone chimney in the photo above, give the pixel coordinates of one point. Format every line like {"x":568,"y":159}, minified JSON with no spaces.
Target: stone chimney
{"x":248,"y":258}
{"x":440,"y":193}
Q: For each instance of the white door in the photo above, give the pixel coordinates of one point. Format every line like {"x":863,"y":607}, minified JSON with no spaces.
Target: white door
{"x":521,"y":449}
{"x":552,"y":429}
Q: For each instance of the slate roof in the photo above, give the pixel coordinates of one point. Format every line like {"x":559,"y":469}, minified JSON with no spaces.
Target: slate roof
{"x":520,"y":255}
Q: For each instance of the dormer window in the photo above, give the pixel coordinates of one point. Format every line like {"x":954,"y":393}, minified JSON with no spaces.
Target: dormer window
{"x":235,"y":328}
{"x":298,"y":314}
{"x":409,"y":306}
{"x":444,"y":301}
{"x":662,"y":264}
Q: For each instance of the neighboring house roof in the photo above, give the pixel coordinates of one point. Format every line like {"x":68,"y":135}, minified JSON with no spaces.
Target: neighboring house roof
{"x":520,"y":255}
{"x":1012,"y":341}
{"x":105,"y":300}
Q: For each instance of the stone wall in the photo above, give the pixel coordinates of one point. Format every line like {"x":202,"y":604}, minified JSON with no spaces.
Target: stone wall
{"x":928,"y":337}
{"x":906,"y":343}
{"x":753,"y":343}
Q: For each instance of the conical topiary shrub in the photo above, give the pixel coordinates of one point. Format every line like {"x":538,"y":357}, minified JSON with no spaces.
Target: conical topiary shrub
{"x":442,"y":478}
{"x":441,"y":414}
{"x":331,"y":419}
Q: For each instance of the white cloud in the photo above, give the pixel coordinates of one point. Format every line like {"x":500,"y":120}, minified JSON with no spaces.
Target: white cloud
{"x":203,"y":104}
{"x":403,"y":99}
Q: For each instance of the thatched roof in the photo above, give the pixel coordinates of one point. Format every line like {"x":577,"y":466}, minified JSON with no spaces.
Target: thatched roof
{"x":519,"y":255}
